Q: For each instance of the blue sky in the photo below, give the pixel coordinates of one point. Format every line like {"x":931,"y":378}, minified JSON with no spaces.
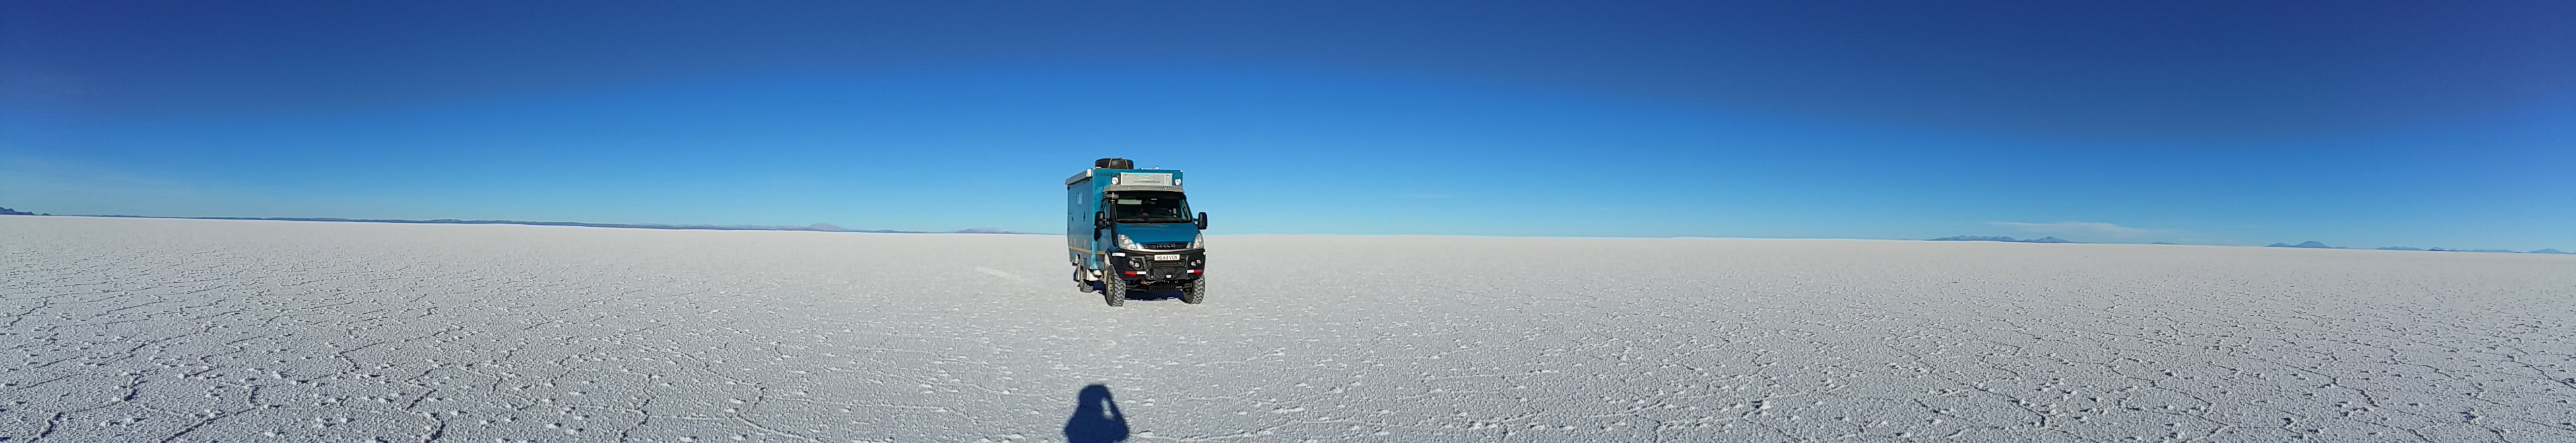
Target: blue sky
{"x":2421,"y":125}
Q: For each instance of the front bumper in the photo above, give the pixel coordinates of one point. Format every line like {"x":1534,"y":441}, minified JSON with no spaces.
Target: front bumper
{"x":1133,"y":265}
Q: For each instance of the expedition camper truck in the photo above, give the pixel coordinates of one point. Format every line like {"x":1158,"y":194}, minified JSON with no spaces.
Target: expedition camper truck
{"x":1128,"y":229}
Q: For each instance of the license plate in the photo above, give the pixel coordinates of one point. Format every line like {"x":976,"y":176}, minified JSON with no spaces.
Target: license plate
{"x":1166,"y":257}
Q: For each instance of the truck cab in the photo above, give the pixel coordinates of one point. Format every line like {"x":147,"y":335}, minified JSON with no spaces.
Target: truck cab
{"x":1129,"y":229}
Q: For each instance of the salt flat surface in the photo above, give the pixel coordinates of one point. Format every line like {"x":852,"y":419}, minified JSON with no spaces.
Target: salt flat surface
{"x":207,"y":330}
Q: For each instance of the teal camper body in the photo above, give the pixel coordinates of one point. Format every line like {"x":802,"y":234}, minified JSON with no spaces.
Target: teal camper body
{"x":1128,"y":229}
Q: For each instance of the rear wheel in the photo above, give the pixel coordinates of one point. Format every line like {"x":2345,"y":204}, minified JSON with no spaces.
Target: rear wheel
{"x":1194,"y":292}
{"x":1113,"y":291}
{"x":1079,"y":282}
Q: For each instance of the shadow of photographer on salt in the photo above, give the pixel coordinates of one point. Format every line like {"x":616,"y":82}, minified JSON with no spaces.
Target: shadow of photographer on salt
{"x":1096,"y":418}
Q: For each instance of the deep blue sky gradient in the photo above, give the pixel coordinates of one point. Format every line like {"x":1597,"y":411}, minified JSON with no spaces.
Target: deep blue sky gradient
{"x":2424,"y":125}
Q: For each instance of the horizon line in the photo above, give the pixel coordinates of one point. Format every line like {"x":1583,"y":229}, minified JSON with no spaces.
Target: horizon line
{"x":809,"y":228}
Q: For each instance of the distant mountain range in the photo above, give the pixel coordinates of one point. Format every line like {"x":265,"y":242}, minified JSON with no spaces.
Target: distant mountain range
{"x":2470,"y":250}
{"x":2311,"y":244}
{"x":7,"y":211}
{"x":2315,"y":244}
{"x":2001,"y":239}
{"x":818,"y":227}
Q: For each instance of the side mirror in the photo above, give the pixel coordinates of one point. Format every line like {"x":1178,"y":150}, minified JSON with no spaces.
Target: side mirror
{"x":1202,"y":221}
{"x":1100,"y":220}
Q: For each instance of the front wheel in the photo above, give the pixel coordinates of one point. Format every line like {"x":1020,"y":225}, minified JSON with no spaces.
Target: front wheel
{"x":1113,"y":291}
{"x":1195,"y":292}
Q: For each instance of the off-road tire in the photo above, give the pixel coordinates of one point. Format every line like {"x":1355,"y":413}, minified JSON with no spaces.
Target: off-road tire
{"x":1114,"y":163}
{"x":1113,"y":291}
{"x":1195,"y":292}
{"x":1079,"y":283}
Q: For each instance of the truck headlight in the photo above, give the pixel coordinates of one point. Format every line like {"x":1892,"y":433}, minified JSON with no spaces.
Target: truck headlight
{"x":1198,"y":242}
{"x":1123,"y":242}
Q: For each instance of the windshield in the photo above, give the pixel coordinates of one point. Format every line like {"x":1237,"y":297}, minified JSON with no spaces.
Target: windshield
{"x":1149,"y":207}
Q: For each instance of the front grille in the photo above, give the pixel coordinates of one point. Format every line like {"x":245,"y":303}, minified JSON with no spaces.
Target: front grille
{"x":1166,"y":246}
